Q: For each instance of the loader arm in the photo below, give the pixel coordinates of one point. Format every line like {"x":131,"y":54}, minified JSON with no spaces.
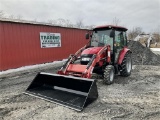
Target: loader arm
{"x":95,"y":59}
{"x":71,"y":59}
{"x":85,"y":71}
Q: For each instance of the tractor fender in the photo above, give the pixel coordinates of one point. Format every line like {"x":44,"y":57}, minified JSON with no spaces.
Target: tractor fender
{"x":122,"y":54}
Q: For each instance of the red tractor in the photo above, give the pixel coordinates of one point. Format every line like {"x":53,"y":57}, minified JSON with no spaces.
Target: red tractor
{"x":106,"y":54}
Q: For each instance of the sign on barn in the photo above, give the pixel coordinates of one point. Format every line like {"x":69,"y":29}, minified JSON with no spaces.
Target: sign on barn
{"x":49,"y":40}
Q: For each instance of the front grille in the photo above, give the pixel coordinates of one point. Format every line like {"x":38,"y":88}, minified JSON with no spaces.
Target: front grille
{"x":85,"y":56}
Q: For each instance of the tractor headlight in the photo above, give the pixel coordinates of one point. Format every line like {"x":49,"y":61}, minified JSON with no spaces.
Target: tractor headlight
{"x":85,"y":59}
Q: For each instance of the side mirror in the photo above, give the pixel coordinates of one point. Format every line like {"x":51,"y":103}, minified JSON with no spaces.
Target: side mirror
{"x":87,"y":35}
{"x":112,"y":33}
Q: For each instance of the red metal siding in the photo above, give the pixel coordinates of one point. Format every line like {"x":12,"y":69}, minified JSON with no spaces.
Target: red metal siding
{"x":20,"y":44}
{"x":1,"y":38}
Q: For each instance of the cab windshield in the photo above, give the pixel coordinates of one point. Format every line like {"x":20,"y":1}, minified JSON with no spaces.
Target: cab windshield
{"x":101,"y":38}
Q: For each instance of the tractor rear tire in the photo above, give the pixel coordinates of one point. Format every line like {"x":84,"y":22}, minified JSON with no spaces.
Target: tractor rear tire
{"x":108,"y":75}
{"x":126,"y":65}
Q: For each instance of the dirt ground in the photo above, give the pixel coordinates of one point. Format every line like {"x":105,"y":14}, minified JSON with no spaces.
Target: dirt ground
{"x":135,"y":97}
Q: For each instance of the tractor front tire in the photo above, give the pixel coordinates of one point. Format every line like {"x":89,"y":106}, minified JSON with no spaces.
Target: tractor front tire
{"x":108,"y":75}
{"x":126,"y":65}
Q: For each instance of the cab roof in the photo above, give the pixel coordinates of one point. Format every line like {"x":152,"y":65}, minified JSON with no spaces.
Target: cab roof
{"x":111,"y":27}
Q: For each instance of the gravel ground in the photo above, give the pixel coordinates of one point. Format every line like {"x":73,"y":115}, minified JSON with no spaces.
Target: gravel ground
{"x":135,"y":97}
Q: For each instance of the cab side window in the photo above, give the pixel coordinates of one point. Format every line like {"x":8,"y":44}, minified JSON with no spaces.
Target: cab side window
{"x":119,"y":39}
{"x":125,"y":38}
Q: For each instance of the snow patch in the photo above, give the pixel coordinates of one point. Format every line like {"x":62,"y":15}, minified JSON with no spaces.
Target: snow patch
{"x":155,"y":49}
{"x":30,"y":67}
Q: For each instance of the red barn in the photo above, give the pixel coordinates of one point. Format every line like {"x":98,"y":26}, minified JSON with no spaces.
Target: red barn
{"x":26,"y":43}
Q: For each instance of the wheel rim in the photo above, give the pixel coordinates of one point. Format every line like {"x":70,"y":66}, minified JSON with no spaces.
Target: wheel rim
{"x":111,"y":76}
{"x":128,"y":65}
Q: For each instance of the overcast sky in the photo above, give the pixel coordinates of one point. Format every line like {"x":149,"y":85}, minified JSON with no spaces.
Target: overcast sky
{"x":131,"y":13}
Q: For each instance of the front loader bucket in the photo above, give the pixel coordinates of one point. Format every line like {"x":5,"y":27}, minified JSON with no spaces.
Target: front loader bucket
{"x":72,"y":92}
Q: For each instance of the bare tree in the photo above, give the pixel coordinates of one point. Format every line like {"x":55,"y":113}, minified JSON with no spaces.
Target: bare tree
{"x":133,"y":33}
{"x":35,"y":20}
{"x":54,"y":22}
{"x":68,"y":23}
{"x":19,"y":17}
{"x":60,"y":22}
{"x":116,"y":21}
{"x":90,"y":27}
{"x":156,"y":35}
{"x":50,"y":21}
{"x":157,"y":30}
{"x":79,"y":23}
{"x":11,"y":16}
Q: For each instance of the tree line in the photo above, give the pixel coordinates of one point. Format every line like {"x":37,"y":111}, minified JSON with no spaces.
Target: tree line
{"x":58,"y":22}
{"x":132,"y":33}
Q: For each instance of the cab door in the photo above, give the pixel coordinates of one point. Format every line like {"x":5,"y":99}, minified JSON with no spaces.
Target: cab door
{"x":120,"y":42}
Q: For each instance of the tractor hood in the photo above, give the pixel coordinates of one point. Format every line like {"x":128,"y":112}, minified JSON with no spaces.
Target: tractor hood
{"x":92,"y":50}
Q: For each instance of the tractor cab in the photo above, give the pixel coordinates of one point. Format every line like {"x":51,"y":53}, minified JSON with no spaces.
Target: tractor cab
{"x":114,"y":36}
{"x":100,"y":38}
